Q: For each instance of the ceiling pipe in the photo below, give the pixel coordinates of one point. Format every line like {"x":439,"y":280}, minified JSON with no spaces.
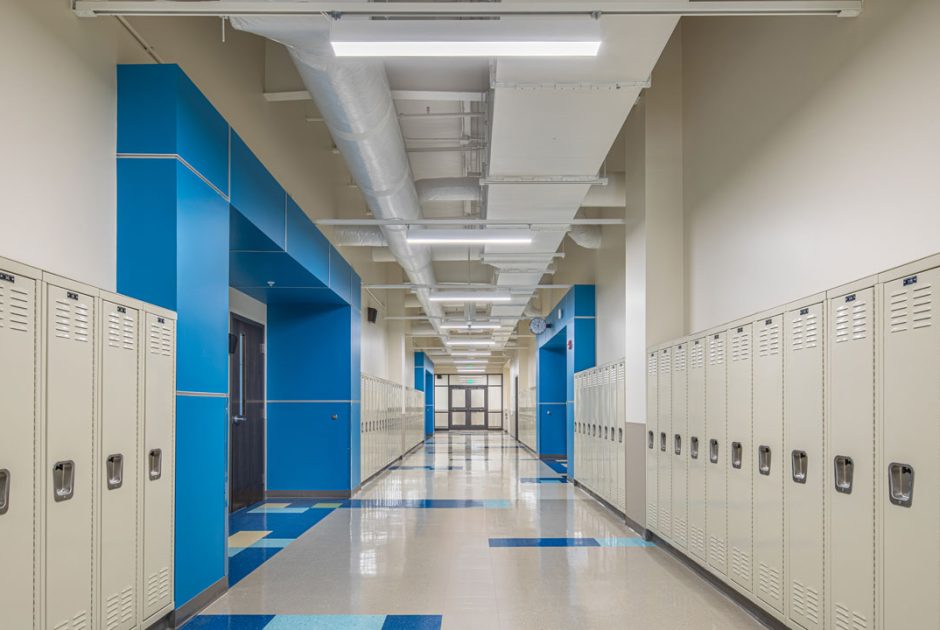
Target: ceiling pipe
{"x":355,"y":100}
{"x":448,"y":189}
{"x":587,"y":236}
{"x":365,"y":236}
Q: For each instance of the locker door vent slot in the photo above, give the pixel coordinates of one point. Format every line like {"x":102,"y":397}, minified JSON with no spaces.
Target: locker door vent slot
{"x":4,"y":491}
{"x":901,"y":484}
{"x":763,"y":460}
{"x":620,"y":433}
{"x":847,"y":620}
{"x":662,"y":442}
{"x":677,"y":444}
{"x":18,"y":305}
{"x":713,"y":451}
{"x":156,"y":464}
{"x":844,"y":469}
{"x":63,"y":480}
{"x":769,"y":581}
{"x":737,"y":454}
{"x":769,"y":342}
{"x":799,"y":461}
{"x":115,"y":468}
{"x":650,"y":440}
{"x":693,"y":448}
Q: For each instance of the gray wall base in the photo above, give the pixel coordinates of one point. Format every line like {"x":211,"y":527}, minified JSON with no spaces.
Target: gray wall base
{"x":191,"y":608}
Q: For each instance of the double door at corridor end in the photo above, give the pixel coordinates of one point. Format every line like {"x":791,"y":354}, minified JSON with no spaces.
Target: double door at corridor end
{"x":468,"y":402}
{"x":468,"y":407}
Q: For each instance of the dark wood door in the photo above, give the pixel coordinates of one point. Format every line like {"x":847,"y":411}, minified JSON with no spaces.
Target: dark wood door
{"x":246,"y":412}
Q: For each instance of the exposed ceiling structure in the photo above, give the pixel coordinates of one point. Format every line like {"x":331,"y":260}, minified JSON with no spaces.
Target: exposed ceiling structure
{"x":471,"y":143}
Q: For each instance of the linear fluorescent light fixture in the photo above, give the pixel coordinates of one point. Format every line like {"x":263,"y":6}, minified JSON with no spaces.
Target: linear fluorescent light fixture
{"x":470,"y":326}
{"x":486,"y":236}
{"x":470,"y":342}
{"x":471,"y":370}
{"x":471,"y":353}
{"x":507,"y":37}
{"x":471,"y":362}
{"x":470,"y":296}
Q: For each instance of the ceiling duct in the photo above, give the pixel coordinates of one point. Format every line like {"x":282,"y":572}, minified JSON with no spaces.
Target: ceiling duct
{"x":355,"y":100}
{"x":365,"y":236}
{"x":448,"y":189}
{"x":587,"y":236}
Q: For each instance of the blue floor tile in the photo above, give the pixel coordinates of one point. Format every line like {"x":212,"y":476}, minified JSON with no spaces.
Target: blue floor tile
{"x":624,"y":542}
{"x":249,"y":559}
{"x":228,"y":622}
{"x":412,"y":622}
{"x":326,"y":622}
{"x":543,"y":480}
{"x":556,"y":465}
{"x":543,"y":542}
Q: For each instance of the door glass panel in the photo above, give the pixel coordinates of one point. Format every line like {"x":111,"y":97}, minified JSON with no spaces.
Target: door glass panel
{"x":459,"y":418}
{"x":496,"y":420}
{"x":495,"y":400}
{"x":478,"y":418}
{"x":458,"y":397}
{"x":441,"y":420}
{"x":440,"y":399}
{"x":477,"y":398}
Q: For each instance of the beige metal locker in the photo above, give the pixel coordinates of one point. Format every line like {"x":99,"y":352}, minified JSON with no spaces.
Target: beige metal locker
{"x":740,"y":465}
{"x":621,"y":453}
{"x":678,"y":447}
{"x":652,"y":423}
{"x":68,"y":462}
{"x":698,"y":453}
{"x":119,"y":344}
{"x":769,"y":463}
{"x":850,"y":495}
{"x":806,"y":475}
{"x":19,"y":339}
{"x":909,"y":469}
{"x":663,"y":443}
{"x":716,"y":451}
{"x":157,"y":463}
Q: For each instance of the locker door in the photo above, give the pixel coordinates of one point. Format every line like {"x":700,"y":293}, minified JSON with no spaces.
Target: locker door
{"x":664,"y":469}
{"x":621,"y":454}
{"x":70,"y":420}
{"x":740,"y":461}
{"x":806,"y":474}
{"x":652,"y":423}
{"x":117,"y":465}
{"x":769,"y":465}
{"x":716,"y":450}
{"x":18,"y":338}
{"x":678,"y":447}
{"x":910,"y":503}
{"x":851,"y":494}
{"x":158,"y":464}
{"x":698,"y":451}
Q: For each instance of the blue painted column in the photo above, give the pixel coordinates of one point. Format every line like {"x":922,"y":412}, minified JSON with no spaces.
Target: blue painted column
{"x":567,"y":347}
{"x":424,"y":381}
{"x":173,"y":251}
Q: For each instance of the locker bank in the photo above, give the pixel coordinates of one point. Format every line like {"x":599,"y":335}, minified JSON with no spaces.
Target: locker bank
{"x":453,"y":314}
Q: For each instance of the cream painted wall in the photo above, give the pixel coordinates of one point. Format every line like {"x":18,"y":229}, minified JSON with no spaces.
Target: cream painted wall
{"x":610,"y":288}
{"x":810,"y":153}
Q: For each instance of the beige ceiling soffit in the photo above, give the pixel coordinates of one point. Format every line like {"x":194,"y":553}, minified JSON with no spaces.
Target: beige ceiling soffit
{"x":283,"y":97}
{"x":221,"y":8}
{"x":590,"y":180}
{"x":580,"y":86}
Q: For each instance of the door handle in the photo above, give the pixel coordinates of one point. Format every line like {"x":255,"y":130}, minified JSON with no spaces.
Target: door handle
{"x":800,"y":462}
{"x":156,"y":464}
{"x":115,"y":471}
{"x":844,"y":473}
{"x":4,"y":490}
{"x":63,"y":480}
{"x":713,"y":451}
{"x":901,"y":484}
{"x":763,"y":460}
{"x":662,"y":442}
{"x":737,"y":454}
{"x":650,"y":440}
{"x":677,"y":444}
{"x":693,"y":448}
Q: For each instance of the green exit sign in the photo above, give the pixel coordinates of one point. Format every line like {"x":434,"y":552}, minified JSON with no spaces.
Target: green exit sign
{"x":470,"y":381}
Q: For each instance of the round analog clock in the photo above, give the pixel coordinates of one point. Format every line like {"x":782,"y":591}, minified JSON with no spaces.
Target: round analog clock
{"x":538,"y":326}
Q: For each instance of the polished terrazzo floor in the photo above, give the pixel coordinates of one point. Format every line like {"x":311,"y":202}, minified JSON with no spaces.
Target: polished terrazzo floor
{"x":469,"y":531}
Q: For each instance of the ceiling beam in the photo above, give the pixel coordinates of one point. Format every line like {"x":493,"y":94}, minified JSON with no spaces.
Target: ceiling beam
{"x":459,"y":222}
{"x":398,"y":95}
{"x":221,"y":8}
{"x":448,"y":287}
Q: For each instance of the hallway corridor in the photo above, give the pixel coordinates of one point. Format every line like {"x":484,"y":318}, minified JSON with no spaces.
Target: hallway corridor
{"x":469,"y":531}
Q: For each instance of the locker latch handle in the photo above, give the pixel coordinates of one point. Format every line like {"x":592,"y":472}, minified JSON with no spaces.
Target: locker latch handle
{"x":901,"y":484}
{"x":662,"y":442}
{"x":620,"y":433}
{"x":156,"y":464}
{"x":677,"y":444}
{"x":650,"y":440}
{"x":737,"y":454}
{"x":763,"y":460}
{"x":115,"y":472}
{"x":713,"y":451}
{"x":844,"y":469}
{"x":693,"y":448}
{"x":4,"y":490}
{"x":800,"y":462}
{"x":63,"y":480}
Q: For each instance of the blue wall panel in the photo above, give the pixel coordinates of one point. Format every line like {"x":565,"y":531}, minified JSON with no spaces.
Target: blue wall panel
{"x":201,"y":455}
{"x":146,"y":230}
{"x":340,"y":275}
{"x":202,"y":134}
{"x":355,"y":387}
{"x":551,"y":430}
{"x":307,"y":449}
{"x":256,"y":194}
{"x":202,"y":286}
{"x":306,"y":243}
{"x":146,"y":108}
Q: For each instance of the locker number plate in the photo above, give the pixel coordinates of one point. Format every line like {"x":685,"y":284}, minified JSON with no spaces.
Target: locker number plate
{"x":7,"y":277}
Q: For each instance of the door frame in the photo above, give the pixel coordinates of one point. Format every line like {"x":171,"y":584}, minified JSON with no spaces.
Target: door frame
{"x":264,"y":413}
{"x":468,"y":408}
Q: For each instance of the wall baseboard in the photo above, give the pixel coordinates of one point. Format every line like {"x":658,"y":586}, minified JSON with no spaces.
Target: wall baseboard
{"x":191,"y":608}
{"x":607,"y":504}
{"x":750,"y":607}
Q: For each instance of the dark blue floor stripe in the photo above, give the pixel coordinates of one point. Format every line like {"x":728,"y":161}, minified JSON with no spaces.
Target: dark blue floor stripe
{"x":543,"y":480}
{"x":412,"y":622}
{"x":559,"y":467}
{"x":543,"y":542}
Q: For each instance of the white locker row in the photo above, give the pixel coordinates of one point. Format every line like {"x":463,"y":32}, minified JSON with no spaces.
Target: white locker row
{"x":527,"y":418}
{"x":86,"y":457}
{"x":782,"y":451}
{"x":599,"y":415}
{"x":391,"y":423}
